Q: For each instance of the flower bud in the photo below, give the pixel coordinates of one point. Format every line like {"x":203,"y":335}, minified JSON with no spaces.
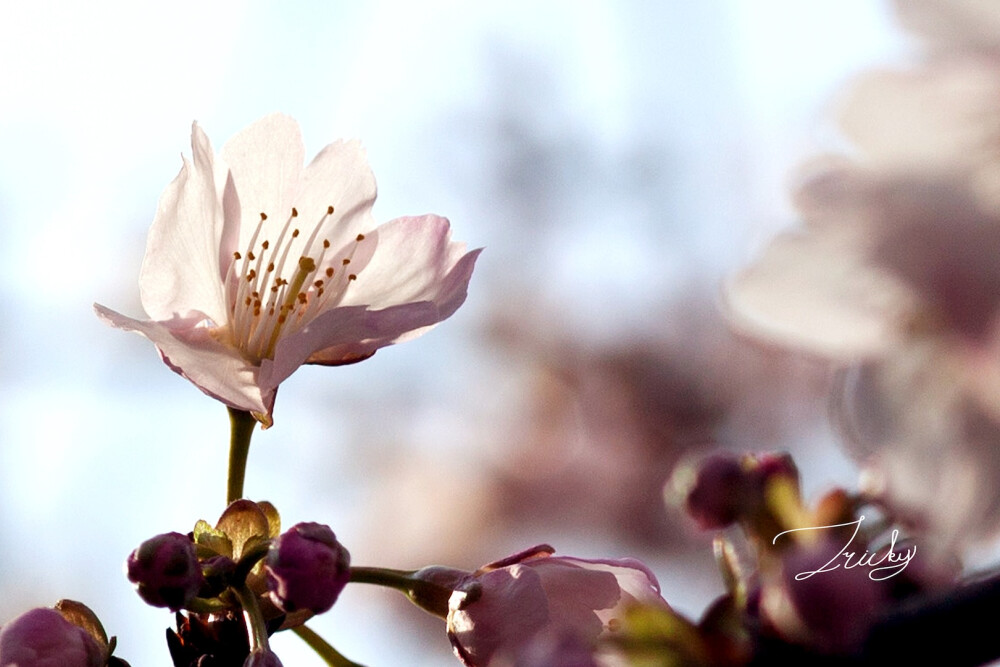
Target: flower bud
{"x":715,"y":495}
{"x":262,"y":657}
{"x":165,"y":571}
{"x":307,"y":568}
{"x":43,"y":638}
{"x":829,"y":608}
{"x":769,"y":466}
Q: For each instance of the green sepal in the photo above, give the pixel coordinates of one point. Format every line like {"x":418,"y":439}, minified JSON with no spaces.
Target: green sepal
{"x":216,"y":541}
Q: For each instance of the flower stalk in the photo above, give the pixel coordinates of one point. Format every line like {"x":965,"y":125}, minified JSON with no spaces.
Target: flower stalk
{"x":400,"y":580}
{"x":429,"y":588}
{"x":241,"y":425}
{"x":323,"y":649}
{"x":256,"y":626}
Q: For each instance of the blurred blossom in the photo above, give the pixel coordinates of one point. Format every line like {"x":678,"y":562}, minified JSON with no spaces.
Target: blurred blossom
{"x":937,"y":121}
{"x":929,"y":451}
{"x":610,"y":422}
{"x":810,"y":578}
{"x":894,"y":272}
{"x":713,"y":493}
{"x":721,"y":488}
{"x":567,"y":419}
{"x":947,"y":24}
{"x":255,"y":265}
{"x":519,"y":607}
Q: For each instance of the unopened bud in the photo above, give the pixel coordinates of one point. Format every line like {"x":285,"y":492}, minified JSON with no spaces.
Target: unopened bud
{"x":262,"y":657}
{"x":165,"y":571}
{"x":307,"y":568}
{"x":716,"y":495}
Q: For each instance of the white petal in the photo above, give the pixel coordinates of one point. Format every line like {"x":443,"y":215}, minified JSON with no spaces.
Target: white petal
{"x":180,"y":272}
{"x":807,"y":292}
{"x":266,"y":161}
{"x":338,"y":176}
{"x":940,"y":117}
{"x":216,"y":369}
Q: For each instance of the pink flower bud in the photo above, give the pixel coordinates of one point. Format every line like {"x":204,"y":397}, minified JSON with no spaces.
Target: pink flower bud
{"x":165,"y":571}
{"x":717,"y":493}
{"x":307,"y":568}
{"x":43,"y":638}
{"x":262,"y":658}
{"x":513,"y":609}
{"x":764,"y":468}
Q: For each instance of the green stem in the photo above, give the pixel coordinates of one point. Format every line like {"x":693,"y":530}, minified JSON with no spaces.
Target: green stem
{"x":248,"y":560}
{"x":401,"y":580}
{"x":207,"y":606}
{"x":256,"y":627}
{"x":329,"y":654}
{"x":430,"y":588}
{"x":241,"y":425}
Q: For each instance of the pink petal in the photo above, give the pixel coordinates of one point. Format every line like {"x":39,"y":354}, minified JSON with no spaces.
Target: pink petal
{"x":636,"y":580}
{"x":512,"y":610}
{"x":414,"y":261}
{"x":189,"y":350}
{"x":180,"y":272}
{"x":437,"y":289}
{"x":379,"y":328}
{"x":335,"y":327}
{"x":577,"y":590}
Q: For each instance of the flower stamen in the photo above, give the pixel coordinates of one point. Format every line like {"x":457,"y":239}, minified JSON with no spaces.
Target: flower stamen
{"x":332,"y":291}
{"x":306,"y":266}
{"x":265,"y":304}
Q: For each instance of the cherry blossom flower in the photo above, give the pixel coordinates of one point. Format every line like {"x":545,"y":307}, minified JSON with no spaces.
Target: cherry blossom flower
{"x":256,"y":265}
{"x":515,"y":607}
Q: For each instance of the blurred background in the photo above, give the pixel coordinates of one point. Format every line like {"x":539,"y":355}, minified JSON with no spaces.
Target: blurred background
{"x":616,"y":160}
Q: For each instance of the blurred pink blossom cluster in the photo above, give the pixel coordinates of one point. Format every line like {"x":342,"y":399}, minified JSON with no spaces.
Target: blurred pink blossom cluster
{"x":894,"y":271}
